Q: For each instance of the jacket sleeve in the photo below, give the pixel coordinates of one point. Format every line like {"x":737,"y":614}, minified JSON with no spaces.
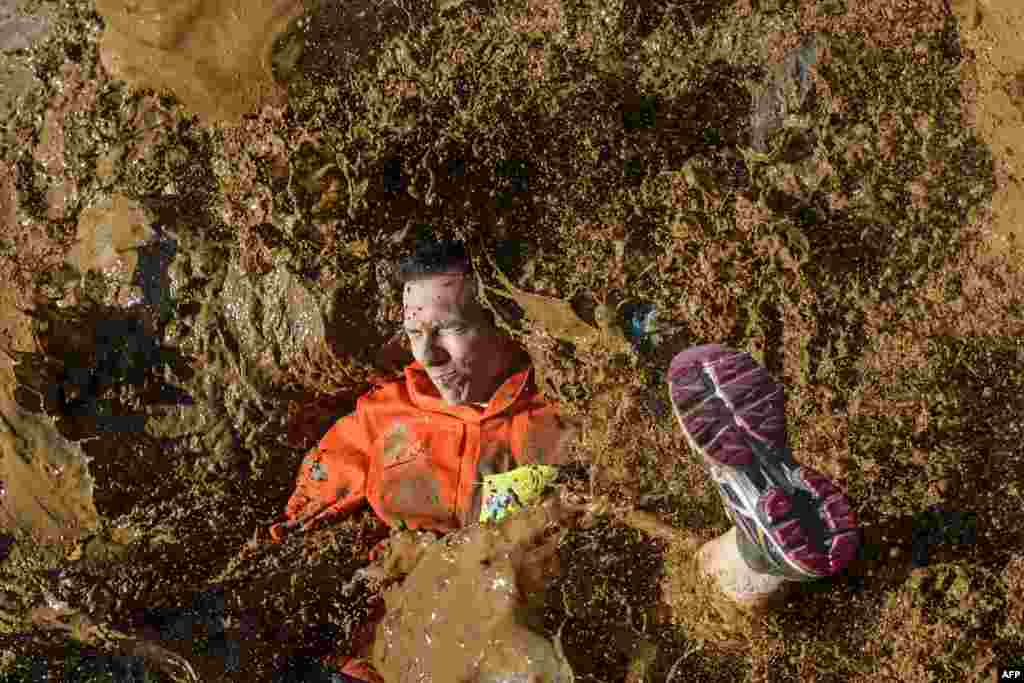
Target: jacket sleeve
{"x":331,"y":481}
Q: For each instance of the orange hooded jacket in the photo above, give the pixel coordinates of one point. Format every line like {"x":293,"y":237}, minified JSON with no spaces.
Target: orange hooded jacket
{"x":419,"y":461}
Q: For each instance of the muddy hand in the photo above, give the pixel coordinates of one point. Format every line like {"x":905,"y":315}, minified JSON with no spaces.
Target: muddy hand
{"x":528,"y":526}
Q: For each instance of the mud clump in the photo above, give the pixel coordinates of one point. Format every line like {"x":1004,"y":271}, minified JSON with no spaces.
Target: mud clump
{"x":994,"y":104}
{"x":214,"y":55}
{"x":47,"y":488}
{"x":456,"y":615}
{"x":18,"y":31}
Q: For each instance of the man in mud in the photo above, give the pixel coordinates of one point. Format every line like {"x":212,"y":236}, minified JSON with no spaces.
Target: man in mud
{"x":417,"y":449}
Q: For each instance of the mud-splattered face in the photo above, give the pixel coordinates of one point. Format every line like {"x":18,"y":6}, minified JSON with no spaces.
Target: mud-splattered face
{"x":465,"y":356}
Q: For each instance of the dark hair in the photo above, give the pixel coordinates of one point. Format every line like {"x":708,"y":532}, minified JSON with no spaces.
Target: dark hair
{"x":434,"y":256}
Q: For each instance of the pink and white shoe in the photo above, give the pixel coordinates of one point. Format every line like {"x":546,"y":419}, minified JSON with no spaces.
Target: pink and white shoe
{"x":791,"y":520}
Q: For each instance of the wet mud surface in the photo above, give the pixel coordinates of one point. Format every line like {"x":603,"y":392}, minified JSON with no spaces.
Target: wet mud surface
{"x":199,"y":202}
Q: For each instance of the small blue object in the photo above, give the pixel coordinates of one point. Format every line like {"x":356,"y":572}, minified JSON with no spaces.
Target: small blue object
{"x":644,"y":329}
{"x":643,"y":321}
{"x":498,"y":504}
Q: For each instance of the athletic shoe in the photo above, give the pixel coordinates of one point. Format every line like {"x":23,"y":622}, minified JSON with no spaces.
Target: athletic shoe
{"x":791,"y":520}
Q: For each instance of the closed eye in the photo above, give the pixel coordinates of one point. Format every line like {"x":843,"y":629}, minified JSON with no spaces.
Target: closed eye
{"x":457,"y":329}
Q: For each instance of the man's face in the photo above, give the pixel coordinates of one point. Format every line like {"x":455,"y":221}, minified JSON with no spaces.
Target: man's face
{"x":466,"y":358}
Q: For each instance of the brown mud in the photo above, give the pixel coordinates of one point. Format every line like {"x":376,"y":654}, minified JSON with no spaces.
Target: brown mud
{"x":198,"y":204}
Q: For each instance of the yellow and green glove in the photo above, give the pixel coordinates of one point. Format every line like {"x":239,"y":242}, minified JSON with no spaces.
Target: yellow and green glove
{"x":513,"y":490}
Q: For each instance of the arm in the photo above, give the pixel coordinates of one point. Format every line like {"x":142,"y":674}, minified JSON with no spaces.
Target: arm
{"x":331,"y":481}
{"x":548,"y":438}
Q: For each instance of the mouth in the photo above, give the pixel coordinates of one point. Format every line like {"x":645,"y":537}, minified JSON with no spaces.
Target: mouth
{"x":445,"y":379}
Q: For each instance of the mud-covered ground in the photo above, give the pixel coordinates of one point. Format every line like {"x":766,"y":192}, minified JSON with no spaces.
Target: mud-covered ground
{"x":198,"y":203}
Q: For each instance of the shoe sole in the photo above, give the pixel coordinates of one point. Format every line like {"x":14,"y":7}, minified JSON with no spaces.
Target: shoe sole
{"x":733,"y":414}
